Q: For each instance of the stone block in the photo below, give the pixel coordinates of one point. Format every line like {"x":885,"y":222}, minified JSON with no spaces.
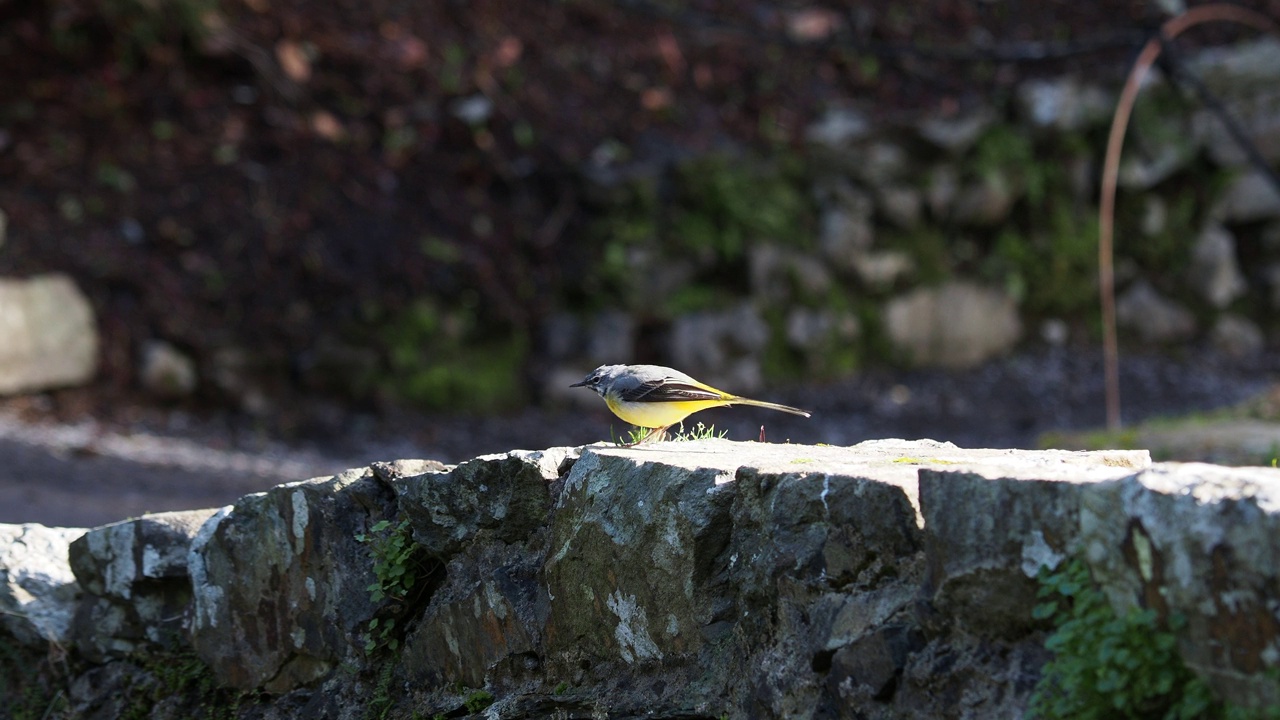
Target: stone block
{"x":48,"y":336}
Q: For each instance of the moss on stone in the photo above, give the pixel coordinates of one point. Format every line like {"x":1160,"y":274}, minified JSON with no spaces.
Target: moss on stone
{"x":444,"y":359}
{"x":698,"y":219}
{"x":723,"y":204}
{"x":929,"y":247}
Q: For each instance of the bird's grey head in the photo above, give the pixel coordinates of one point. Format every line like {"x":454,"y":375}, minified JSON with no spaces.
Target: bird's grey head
{"x":599,"y":378}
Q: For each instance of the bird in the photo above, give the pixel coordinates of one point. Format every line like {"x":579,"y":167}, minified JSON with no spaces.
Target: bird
{"x":656,"y":397}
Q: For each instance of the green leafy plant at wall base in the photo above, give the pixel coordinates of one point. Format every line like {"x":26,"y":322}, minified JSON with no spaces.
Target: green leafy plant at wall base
{"x":1107,"y":667}
{"x":699,"y":432}
{"x":396,"y":567}
{"x":478,"y":700}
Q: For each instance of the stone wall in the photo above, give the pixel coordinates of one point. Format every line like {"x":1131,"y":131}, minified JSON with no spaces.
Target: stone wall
{"x":700,"y":579}
{"x":943,"y":237}
{"x":939,"y":238}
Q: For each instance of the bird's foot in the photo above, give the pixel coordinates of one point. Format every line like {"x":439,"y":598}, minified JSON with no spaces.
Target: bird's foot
{"x":654,"y":435}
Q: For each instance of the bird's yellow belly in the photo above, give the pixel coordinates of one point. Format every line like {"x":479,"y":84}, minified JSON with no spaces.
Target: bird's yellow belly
{"x":658,"y":414}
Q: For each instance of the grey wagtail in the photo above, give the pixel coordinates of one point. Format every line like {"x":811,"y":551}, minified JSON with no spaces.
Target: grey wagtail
{"x":656,"y":397}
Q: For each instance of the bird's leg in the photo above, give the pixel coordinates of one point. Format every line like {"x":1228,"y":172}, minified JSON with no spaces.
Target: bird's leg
{"x":654,"y":435}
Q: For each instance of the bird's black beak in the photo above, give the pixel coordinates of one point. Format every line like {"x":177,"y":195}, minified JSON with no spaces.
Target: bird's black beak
{"x":579,"y":384}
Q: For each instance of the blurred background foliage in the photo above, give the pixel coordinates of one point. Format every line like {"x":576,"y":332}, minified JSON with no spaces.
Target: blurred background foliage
{"x":388,"y":202}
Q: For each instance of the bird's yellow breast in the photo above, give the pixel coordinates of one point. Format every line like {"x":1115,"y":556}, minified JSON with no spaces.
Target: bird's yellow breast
{"x":657,"y":414}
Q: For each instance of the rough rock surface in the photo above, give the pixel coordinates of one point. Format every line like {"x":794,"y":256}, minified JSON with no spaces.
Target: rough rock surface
{"x":38,"y":592}
{"x":891,"y":579}
{"x":134,"y":575}
{"x":280,"y":580}
{"x":1201,"y":541}
{"x":505,"y":494}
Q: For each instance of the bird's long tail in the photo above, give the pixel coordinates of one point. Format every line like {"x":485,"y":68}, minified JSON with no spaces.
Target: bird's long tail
{"x":772,"y":406}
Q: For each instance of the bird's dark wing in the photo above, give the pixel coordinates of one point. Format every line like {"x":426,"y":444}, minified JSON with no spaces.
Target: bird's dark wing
{"x":663,"y":391}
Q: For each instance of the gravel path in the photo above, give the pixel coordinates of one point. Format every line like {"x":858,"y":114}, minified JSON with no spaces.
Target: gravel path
{"x":89,"y":473}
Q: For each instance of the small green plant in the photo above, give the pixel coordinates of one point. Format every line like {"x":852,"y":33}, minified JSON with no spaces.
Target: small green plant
{"x":1005,"y":152}
{"x":394,"y":565}
{"x":478,"y":700}
{"x":699,"y":432}
{"x":1046,"y":257}
{"x":397,"y":563}
{"x":633,"y":436}
{"x":380,"y":706}
{"x":180,"y":677}
{"x":1106,"y":666}
{"x":1051,"y":269}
